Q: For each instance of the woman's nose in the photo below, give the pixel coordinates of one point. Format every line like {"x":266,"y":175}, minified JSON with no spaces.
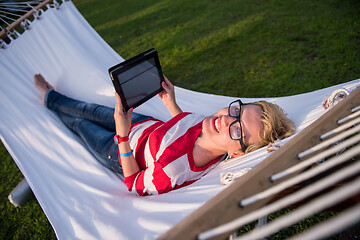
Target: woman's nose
{"x":228,"y":120}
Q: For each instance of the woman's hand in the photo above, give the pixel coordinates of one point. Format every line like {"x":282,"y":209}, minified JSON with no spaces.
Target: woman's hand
{"x":122,"y":120}
{"x":168,"y":98}
{"x":123,"y":124}
{"x":168,"y":94}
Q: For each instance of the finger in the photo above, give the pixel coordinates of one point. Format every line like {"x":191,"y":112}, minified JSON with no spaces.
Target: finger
{"x":161,"y":94}
{"x":166,"y":87}
{"x":118,"y":101}
{"x":130,"y":112}
{"x":167,"y":81}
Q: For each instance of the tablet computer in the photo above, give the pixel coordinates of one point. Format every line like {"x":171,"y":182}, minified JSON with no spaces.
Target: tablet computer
{"x":137,"y":79}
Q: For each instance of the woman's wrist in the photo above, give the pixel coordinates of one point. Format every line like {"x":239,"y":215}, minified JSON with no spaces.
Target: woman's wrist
{"x":127,"y":154}
{"x":174,"y":110}
{"x":118,"y":139}
{"x":124,"y":147}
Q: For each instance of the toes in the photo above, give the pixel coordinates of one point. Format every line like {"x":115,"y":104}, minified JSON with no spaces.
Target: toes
{"x":41,"y":82}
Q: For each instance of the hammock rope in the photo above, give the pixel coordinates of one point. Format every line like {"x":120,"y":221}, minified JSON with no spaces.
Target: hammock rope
{"x":32,"y":9}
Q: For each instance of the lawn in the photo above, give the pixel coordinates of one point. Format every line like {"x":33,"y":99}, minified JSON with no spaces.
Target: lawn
{"x":244,"y":48}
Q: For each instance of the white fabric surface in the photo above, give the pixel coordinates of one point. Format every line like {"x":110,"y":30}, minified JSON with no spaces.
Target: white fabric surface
{"x":81,"y":198}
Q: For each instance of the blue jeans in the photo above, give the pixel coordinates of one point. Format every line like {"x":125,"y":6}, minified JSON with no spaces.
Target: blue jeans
{"x":93,"y":123}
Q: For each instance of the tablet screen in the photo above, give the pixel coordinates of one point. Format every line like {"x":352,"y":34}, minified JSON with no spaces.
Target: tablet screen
{"x":138,"y":82}
{"x":138,"y":79}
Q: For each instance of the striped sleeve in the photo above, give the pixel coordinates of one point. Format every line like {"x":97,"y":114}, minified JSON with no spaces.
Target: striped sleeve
{"x":144,"y":183}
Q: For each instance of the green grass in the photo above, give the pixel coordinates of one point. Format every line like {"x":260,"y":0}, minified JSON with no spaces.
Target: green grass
{"x":240,"y":48}
{"x":245,"y":48}
{"x":26,"y":222}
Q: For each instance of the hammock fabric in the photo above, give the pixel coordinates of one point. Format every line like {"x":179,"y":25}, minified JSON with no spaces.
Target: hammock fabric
{"x":81,"y":198}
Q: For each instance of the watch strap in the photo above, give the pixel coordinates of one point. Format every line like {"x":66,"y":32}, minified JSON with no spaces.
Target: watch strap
{"x":118,"y":139}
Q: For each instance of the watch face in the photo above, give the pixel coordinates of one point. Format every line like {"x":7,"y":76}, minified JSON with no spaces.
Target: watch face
{"x":116,"y":140}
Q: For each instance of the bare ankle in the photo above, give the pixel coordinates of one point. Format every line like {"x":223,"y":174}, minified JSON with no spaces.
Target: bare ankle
{"x":42,"y":85}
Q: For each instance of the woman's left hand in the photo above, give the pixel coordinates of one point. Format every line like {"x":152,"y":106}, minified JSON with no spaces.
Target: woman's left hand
{"x":122,"y":120}
{"x":168,"y":98}
{"x":168,"y":94}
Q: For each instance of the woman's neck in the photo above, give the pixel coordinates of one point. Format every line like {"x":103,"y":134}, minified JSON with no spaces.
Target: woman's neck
{"x":203,"y":154}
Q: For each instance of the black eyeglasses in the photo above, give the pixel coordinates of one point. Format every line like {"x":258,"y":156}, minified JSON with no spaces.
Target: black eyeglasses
{"x":235,"y":128}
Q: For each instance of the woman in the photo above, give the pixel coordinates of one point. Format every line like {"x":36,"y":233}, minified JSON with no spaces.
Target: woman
{"x":156,"y":157}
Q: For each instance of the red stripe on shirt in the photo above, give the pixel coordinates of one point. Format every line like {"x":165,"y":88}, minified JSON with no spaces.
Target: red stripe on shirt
{"x":156,"y":139}
{"x":142,"y":121}
{"x":139,"y":184}
{"x":182,"y":145}
{"x":140,"y":148}
{"x":162,"y":181}
{"x":129,"y":180}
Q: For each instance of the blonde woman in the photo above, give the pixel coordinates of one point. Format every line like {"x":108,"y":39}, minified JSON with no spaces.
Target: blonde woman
{"x":156,"y":157}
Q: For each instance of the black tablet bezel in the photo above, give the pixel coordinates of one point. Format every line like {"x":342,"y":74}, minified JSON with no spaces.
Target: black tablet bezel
{"x":130,"y":63}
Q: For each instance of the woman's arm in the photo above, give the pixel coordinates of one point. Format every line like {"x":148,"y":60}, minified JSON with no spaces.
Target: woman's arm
{"x":168,"y":98}
{"x":123,"y":124}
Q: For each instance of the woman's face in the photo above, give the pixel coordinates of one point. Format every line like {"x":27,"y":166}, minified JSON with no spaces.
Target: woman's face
{"x":216,"y":128}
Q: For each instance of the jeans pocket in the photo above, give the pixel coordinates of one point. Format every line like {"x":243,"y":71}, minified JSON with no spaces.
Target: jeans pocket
{"x":113,"y":159}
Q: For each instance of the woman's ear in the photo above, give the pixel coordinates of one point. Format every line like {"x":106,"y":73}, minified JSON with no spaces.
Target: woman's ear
{"x":236,"y":154}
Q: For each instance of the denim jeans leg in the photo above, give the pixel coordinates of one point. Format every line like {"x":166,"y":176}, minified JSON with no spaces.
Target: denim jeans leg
{"x":98,"y":140}
{"x":93,"y":123}
{"x":101,"y":115}
{"x":137,"y":117}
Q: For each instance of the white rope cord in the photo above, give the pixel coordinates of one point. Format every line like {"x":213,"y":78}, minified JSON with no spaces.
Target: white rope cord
{"x":10,"y":13}
{"x":329,"y":142}
{"x":7,"y":17}
{"x":351,"y":141}
{"x":11,"y":4}
{"x":333,"y":226}
{"x":24,"y":7}
{"x":30,"y":6}
{"x":284,"y":202}
{"x":4,"y":21}
{"x":355,"y":109}
{"x":302,"y":177}
{"x":18,"y":7}
{"x":340,"y":129}
{"x":351,"y":116}
{"x":8,"y":10}
{"x":309,"y":209}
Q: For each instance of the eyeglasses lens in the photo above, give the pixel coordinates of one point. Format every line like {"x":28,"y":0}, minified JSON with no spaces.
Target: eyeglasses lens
{"x":234,"y":109}
{"x":235,"y":130}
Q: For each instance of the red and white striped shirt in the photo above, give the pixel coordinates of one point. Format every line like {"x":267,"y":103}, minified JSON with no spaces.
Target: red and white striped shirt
{"x":164,"y":152}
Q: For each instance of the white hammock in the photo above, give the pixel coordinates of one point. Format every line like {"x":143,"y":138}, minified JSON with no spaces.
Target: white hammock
{"x":81,"y":198}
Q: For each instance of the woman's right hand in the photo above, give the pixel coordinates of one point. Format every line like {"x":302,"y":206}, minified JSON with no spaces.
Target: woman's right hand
{"x":122,"y":120}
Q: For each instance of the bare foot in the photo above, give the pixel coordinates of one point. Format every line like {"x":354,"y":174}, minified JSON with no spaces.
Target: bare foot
{"x":42,"y":85}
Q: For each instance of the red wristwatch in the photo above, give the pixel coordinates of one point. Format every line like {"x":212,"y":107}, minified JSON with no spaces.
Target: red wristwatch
{"x":118,"y":139}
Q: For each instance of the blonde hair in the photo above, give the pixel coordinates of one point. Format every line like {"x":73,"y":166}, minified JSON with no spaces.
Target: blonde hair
{"x":275,"y":125}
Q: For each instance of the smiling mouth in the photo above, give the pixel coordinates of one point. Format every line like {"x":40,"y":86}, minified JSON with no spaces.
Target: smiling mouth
{"x":216,"y":122}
